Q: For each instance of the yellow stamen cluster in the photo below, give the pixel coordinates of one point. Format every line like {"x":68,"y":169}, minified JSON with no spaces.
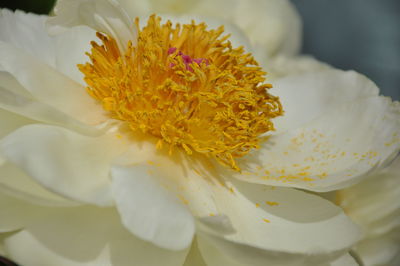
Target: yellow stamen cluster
{"x":217,"y":106}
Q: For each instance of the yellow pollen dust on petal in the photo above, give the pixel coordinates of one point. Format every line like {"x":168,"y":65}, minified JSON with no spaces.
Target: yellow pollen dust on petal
{"x":185,"y":85}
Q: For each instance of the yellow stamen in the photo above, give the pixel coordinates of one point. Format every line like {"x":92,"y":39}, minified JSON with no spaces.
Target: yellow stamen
{"x":216,"y":103}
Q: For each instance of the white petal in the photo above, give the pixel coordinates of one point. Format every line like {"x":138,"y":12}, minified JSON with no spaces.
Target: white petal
{"x":71,"y":47}
{"x":137,"y":8}
{"x":170,"y":6}
{"x":331,"y":152}
{"x":27,"y":32}
{"x":194,"y":258}
{"x":16,"y":214}
{"x":345,"y":260}
{"x":85,"y":236}
{"x":373,"y":203}
{"x":280,"y":226}
{"x":105,"y":16}
{"x":150,"y":211}
{"x":10,"y":122}
{"x":26,"y":250}
{"x":65,"y":162}
{"x":49,"y":86}
{"x":206,"y":193}
{"x":272,"y":25}
{"x":2,"y":251}
{"x":307,"y":96}
{"x":14,"y":98}
{"x":14,"y":182}
{"x":214,"y":256}
{"x":380,"y":250}
{"x":281,"y":66}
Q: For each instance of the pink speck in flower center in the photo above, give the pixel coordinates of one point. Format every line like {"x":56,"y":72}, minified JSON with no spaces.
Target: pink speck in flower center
{"x":187,"y":60}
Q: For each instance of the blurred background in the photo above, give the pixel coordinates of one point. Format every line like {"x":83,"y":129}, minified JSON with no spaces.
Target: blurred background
{"x":363,"y":35}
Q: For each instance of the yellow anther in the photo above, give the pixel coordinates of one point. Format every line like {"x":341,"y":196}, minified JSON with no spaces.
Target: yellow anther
{"x":187,"y":86}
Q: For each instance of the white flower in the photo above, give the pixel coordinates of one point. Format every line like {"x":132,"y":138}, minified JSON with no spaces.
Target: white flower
{"x":78,"y":186}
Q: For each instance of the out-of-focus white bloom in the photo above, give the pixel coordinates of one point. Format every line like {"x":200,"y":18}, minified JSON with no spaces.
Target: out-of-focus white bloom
{"x":80,"y":187}
{"x":272,"y":26}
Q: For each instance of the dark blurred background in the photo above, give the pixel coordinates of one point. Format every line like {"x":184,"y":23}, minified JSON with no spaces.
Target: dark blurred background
{"x":349,"y":34}
{"x":35,"y":6}
{"x":356,"y":34}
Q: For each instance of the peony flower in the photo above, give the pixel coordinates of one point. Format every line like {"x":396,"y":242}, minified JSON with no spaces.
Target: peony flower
{"x":140,"y":142}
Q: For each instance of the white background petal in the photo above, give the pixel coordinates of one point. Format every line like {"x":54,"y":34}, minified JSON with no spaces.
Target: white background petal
{"x":26,"y":31}
{"x":273,"y":25}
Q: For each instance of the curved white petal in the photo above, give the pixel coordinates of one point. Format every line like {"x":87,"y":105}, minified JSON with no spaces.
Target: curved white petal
{"x":345,"y":260}
{"x":214,"y":256}
{"x":380,"y":250}
{"x":16,"y":214}
{"x":281,"y":66}
{"x":105,"y":16}
{"x":2,"y":251}
{"x":70,"y":49}
{"x":26,"y":32}
{"x":49,"y":86}
{"x":331,"y":152}
{"x":149,"y":210}
{"x":14,"y":182}
{"x":373,"y":203}
{"x":137,"y":8}
{"x":16,"y":100}
{"x":307,"y":96}
{"x":194,"y":257}
{"x":84,"y":236}
{"x":280,"y":226}
{"x":273,"y":25}
{"x":63,"y":161}
{"x":10,"y":122}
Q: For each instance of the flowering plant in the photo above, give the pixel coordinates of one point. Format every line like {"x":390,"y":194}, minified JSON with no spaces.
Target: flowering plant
{"x":136,"y":139}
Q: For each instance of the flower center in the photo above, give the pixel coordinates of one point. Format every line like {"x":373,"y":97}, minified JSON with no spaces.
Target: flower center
{"x":185,"y":85}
